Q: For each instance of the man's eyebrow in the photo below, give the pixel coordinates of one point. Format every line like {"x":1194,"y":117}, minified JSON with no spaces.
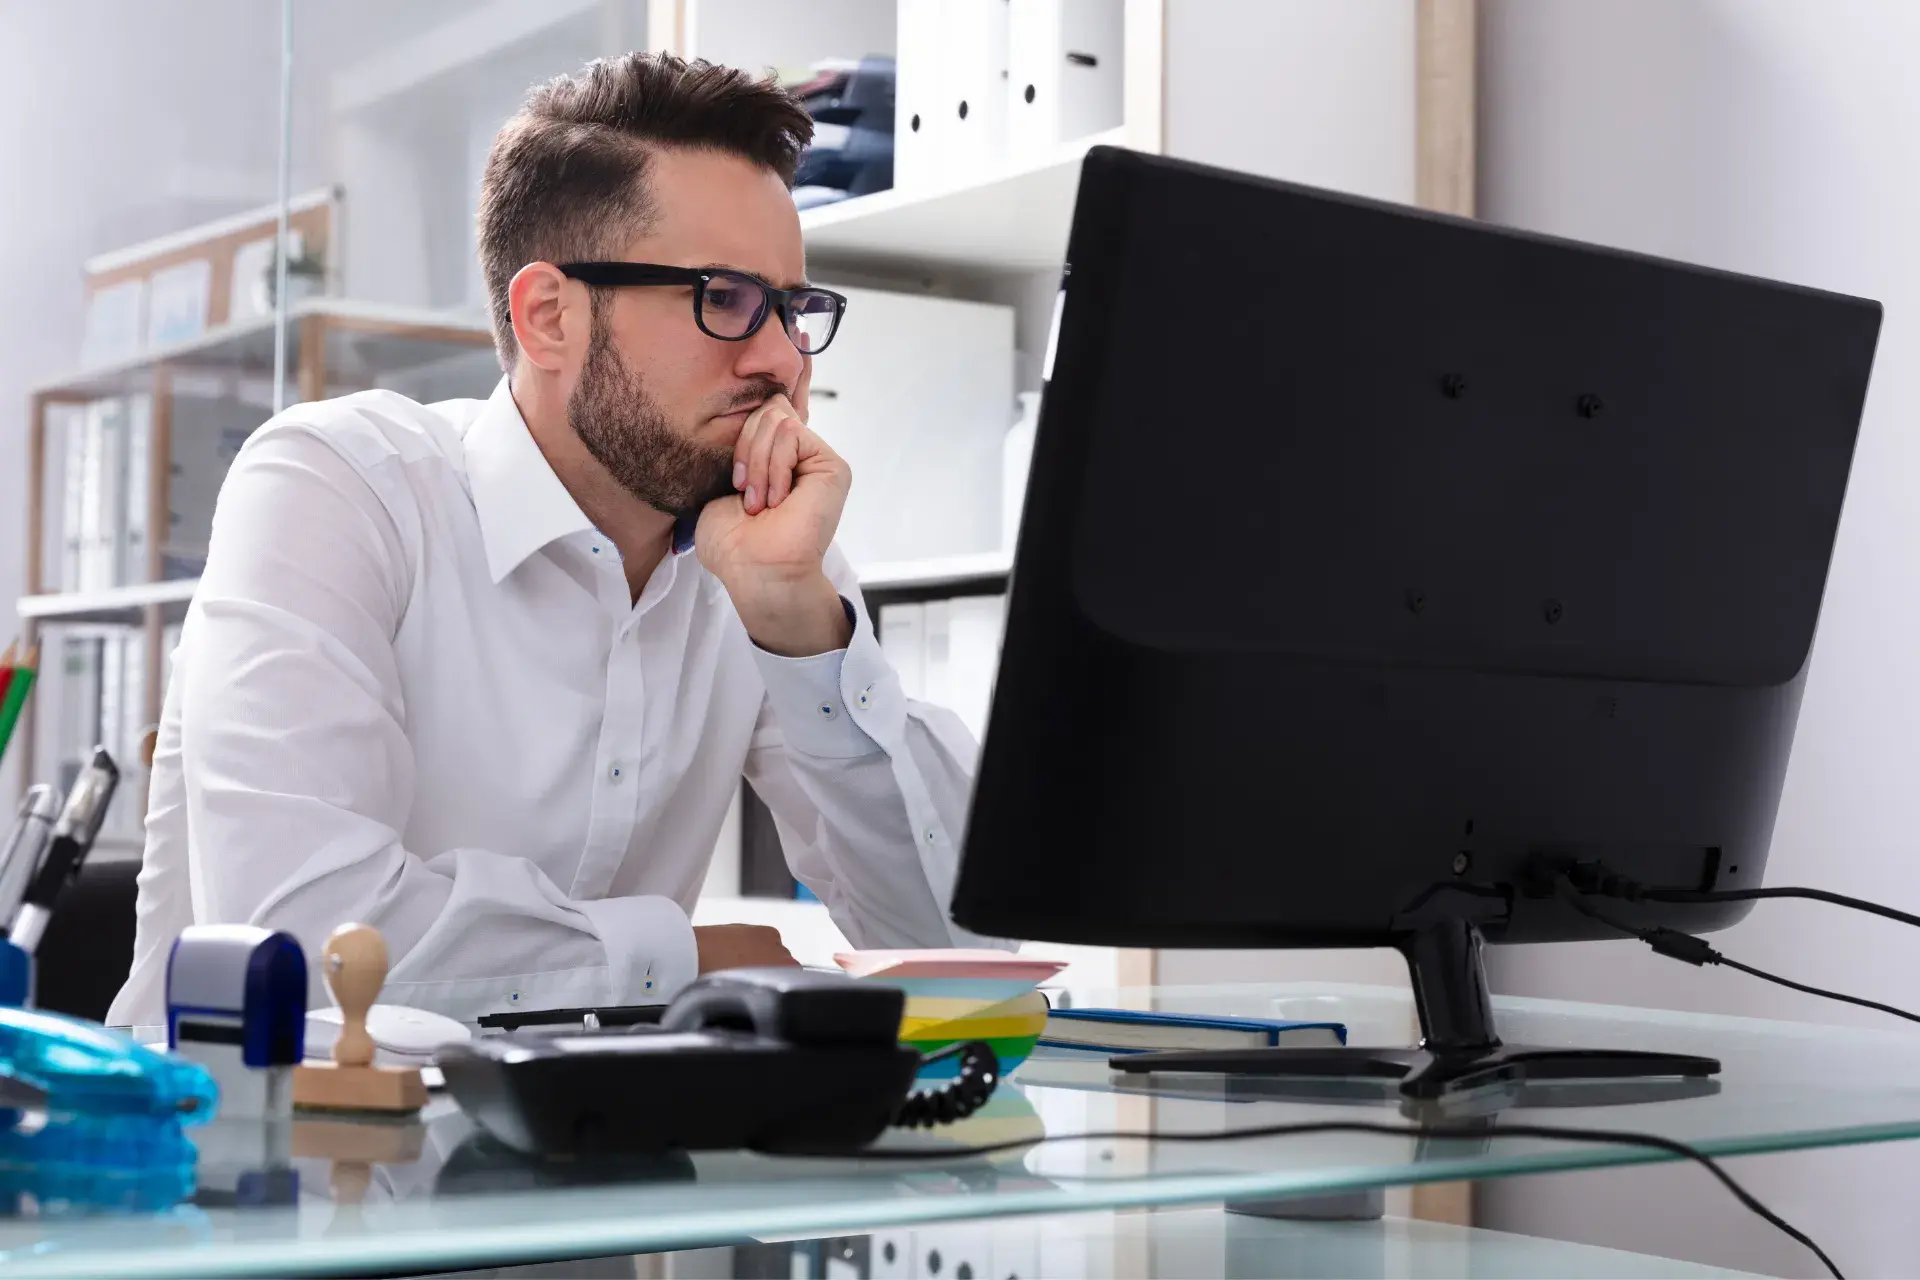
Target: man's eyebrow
{"x":728,"y":266}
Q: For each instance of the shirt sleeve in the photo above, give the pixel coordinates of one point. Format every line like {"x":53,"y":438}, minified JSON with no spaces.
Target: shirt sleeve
{"x":868,"y":790}
{"x":298,"y":774}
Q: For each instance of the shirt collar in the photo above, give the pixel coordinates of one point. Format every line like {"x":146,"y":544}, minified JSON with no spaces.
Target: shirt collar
{"x":521,"y":503}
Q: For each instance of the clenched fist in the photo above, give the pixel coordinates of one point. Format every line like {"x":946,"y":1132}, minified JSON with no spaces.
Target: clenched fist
{"x":766,"y":543}
{"x":740,"y":946}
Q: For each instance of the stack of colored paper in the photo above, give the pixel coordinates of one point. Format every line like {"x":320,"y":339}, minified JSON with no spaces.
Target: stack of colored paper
{"x":955,"y":996}
{"x":1009,"y":1116}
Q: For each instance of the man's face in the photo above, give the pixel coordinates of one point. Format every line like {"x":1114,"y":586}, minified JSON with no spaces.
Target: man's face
{"x":656,"y":401}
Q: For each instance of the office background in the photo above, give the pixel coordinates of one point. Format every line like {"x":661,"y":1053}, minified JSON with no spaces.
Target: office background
{"x":1770,"y":136}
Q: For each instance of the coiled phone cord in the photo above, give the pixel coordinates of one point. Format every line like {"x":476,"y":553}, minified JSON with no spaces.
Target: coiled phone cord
{"x":979,"y":1075}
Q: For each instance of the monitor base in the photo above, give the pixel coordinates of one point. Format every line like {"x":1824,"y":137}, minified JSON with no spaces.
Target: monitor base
{"x":1424,"y":1074}
{"x":1459,"y":1052}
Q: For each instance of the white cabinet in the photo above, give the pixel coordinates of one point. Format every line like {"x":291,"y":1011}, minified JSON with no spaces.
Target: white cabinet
{"x":916,"y":393}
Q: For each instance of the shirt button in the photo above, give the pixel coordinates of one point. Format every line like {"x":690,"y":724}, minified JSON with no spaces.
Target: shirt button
{"x":929,"y":835}
{"x":827,"y":710}
{"x":866,"y":698}
{"x":614,"y":773}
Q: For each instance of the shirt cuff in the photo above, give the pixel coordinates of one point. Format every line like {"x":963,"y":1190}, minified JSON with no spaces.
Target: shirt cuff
{"x":651,"y":953}
{"x":809,"y":700}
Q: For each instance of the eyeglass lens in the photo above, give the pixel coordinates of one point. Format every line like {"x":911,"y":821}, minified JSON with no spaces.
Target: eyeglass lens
{"x":733,"y":306}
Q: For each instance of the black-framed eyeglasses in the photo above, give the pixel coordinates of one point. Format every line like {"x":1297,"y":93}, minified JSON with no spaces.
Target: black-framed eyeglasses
{"x":730,"y":305}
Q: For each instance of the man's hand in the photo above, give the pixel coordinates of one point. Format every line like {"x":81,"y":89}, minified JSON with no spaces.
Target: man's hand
{"x":740,"y":946}
{"x":767,"y":543}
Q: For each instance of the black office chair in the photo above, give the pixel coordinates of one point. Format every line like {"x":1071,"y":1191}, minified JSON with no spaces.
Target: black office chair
{"x":87,"y":952}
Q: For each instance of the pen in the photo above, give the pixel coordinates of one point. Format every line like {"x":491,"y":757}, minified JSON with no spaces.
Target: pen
{"x":73,"y":837}
{"x":26,"y":844}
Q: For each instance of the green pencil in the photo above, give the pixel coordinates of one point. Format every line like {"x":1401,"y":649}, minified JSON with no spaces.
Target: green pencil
{"x":17,"y":690}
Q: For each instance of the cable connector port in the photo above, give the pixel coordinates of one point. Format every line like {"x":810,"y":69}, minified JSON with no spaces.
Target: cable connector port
{"x":1680,"y":946}
{"x":1595,"y":878}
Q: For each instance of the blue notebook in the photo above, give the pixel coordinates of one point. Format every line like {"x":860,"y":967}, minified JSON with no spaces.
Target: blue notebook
{"x":1126,"y":1031}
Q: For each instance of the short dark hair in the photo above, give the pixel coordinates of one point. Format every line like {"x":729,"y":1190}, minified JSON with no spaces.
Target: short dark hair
{"x":566,"y":179}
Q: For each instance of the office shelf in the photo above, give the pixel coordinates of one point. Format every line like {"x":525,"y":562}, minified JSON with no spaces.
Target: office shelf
{"x":938,"y":571}
{"x":1014,"y":220}
{"x":125,"y":606}
{"x":363,"y":341}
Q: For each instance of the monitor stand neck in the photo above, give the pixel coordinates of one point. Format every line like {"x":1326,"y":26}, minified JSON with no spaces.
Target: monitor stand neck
{"x":1450,"y":988}
{"x":1459,"y":1050}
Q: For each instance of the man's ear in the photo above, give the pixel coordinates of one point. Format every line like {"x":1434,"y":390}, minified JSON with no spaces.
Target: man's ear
{"x":550,"y":313}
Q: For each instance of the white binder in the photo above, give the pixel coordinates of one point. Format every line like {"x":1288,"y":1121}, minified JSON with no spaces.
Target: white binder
{"x":950,"y":92}
{"x":1064,"y":78}
{"x":918,"y":94}
{"x":975,"y":131}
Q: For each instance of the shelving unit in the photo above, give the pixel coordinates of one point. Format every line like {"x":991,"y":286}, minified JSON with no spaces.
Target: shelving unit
{"x":332,"y":345}
{"x":1014,"y":221}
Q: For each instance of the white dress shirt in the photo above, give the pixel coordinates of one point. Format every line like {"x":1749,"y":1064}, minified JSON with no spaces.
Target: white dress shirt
{"x":414,"y":690}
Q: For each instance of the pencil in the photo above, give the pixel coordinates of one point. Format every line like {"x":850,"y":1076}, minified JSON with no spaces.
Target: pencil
{"x":18,"y":687}
{"x":7,"y":668}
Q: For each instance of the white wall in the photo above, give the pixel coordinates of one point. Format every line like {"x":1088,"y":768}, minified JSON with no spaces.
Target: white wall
{"x":1780,"y":138}
{"x":1312,"y":91}
{"x":757,"y":34}
{"x":124,"y":121}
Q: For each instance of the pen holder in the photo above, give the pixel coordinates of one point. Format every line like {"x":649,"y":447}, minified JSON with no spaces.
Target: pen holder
{"x":16,"y":976}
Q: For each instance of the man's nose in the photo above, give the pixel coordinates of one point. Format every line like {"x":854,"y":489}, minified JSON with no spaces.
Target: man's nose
{"x":771,"y":353}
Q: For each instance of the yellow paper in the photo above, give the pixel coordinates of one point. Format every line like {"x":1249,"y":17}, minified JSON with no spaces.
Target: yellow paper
{"x":1024,"y":1015}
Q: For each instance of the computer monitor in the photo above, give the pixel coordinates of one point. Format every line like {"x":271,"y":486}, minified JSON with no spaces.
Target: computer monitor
{"x":1375,"y":563}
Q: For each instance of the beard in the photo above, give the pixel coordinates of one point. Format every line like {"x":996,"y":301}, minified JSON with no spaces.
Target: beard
{"x":629,"y":434}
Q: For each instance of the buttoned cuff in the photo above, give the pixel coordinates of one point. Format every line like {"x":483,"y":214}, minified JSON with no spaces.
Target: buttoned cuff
{"x":810,"y":701}
{"x":651,"y":953}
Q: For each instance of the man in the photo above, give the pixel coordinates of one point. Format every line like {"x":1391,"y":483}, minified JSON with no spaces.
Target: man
{"x":485,"y":675}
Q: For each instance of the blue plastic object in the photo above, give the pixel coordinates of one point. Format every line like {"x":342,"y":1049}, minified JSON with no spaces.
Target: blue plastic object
{"x":121,"y":1142}
{"x":72,"y":1170}
{"x":112,"y":1164}
{"x":16,"y":976}
{"x":70,"y":1067}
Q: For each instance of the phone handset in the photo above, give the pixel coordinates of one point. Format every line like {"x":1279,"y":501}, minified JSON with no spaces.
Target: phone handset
{"x":826,"y":1011}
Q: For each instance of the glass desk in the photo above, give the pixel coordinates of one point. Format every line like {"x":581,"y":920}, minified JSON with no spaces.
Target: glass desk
{"x":1181,"y":1242}
{"x":436,"y":1195}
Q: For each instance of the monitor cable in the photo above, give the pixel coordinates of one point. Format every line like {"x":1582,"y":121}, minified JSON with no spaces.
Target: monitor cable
{"x":1676,"y":945}
{"x":1595,"y":879}
{"x":1612,"y":1137}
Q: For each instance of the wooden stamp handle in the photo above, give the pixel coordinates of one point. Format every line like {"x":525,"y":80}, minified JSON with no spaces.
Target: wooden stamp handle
{"x":355,"y":964}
